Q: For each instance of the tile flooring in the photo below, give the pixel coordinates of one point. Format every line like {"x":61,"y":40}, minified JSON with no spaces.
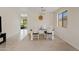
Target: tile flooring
{"x":16,"y":44}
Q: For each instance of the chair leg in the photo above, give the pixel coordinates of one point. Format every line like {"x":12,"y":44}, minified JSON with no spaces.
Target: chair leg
{"x":38,"y":37}
{"x":31,"y":36}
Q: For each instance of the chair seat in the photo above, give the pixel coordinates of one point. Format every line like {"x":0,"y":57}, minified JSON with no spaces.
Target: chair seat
{"x":35,"y":35}
{"x":48,"y":33}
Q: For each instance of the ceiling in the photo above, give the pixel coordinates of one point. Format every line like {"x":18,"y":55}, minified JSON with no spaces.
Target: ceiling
{"x":38,"y":9}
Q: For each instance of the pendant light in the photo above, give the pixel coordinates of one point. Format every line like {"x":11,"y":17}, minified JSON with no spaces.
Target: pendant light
{"x":41,"y":14}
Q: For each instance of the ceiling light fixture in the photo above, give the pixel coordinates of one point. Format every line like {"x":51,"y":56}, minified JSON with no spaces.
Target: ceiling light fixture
{"x":42,"y":13}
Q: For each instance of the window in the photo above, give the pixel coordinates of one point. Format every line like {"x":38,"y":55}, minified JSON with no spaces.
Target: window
{"x":62,"y":19}
{"x":23,"y":23}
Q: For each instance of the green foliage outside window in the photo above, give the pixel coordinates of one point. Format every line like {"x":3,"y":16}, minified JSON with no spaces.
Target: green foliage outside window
{"x":24,"y":24}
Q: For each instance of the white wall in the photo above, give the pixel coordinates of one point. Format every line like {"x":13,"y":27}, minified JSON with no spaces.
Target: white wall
{"x":34,"y":23}
{"x":71,"y":33}
{"x":10,"y":21}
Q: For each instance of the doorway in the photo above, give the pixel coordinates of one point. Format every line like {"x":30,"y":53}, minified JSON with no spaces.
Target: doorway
{"x":23,"y":27}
